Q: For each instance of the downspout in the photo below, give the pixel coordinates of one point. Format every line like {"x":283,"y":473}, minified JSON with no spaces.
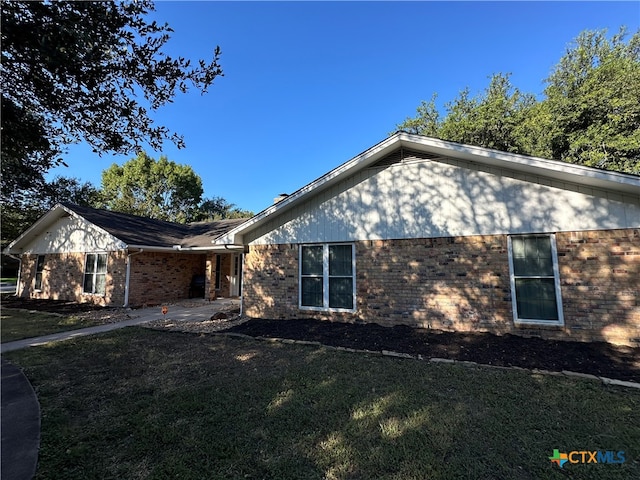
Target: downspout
{"x":128,"y":277}
{"x":242,"y":284}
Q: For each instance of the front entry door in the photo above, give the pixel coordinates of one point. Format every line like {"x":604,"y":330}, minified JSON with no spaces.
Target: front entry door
{"x":236,"y":275}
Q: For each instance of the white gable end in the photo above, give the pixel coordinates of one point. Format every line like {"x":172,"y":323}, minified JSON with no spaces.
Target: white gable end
{"x":72,"y":234}
{"x":445,"y":197}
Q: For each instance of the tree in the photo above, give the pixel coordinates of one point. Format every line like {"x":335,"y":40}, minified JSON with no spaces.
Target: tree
{"x":217,"y":208}
{"x":593,"y":97}
{"x":488,"y":120}
{"x":76,"y":71}
{"x":159,"y":189}
{"x":427,"y":120}
{"x":590,"y":114}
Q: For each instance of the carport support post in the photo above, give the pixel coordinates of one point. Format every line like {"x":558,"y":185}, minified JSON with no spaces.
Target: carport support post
{"x":128,"y":277}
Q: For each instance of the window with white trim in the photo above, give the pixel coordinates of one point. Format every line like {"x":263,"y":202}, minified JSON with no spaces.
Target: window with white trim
{"x":95,"y":273}
{"x":39,"y":270}
{"x":535,"y":280}
{"x":327,"y":277}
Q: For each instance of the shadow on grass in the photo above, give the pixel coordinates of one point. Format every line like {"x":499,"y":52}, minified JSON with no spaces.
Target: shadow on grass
{"x":138,"y":403}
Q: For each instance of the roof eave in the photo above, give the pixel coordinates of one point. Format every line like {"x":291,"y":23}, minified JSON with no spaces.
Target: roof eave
{"x":47,"y":219}
{"x":368,"y":157}
{"x":554,"y":169}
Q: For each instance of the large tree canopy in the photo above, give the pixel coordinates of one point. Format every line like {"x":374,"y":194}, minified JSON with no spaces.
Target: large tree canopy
{"x":590,"y":113}
{"x":593,"y":102}
{"x":159,"y":189}
{"x":217,"y":208}
{"x":88,"y":71}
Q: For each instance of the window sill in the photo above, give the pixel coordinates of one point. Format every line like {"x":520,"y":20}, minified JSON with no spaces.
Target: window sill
{"x":550,"y":324}
{"x":89,"y":294}
{"x":326,"y":310}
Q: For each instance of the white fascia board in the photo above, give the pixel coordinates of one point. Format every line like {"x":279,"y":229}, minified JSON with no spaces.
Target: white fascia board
{"x":181,"y":249}
{"x":564,"y":171}
{"x":358,"y":162}
{"x":45,"y":221}
{"x":555,"y":169}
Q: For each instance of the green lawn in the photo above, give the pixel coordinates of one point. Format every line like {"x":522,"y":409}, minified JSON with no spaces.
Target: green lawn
{"x":144,"y":404}
{"x":18,"y":324}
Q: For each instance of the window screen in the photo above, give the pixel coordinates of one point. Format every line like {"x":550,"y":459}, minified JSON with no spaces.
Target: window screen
{"x":535,"y":283}
{"x":327,"y":276}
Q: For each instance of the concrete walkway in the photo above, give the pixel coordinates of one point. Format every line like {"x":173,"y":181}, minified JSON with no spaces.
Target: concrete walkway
{"x":20,"y":423}
{"x":20,"y":408}
{"x":143,"y":315}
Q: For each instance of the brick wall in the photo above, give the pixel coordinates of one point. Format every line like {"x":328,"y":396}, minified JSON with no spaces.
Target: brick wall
{"x":210,"y":278}
{"x":63,"y":276}
{"x":159,"y":277}
{"x":225,"y":270}
{"x":600,"y":277}
{"x":463,"y":284}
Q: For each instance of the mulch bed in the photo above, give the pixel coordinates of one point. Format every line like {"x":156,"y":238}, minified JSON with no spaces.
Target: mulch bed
{"x":50,"y":306}
{"x":596,"y":358}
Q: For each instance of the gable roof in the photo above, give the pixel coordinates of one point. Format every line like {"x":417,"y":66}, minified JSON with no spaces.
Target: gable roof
{"x":434,"y":148}
{"x":133,"y":231}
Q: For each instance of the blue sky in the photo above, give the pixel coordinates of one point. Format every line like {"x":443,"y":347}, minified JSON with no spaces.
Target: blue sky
{"x":309,"y":85}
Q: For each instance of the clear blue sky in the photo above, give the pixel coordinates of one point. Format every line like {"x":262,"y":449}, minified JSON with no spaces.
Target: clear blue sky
{"x":309,"y":85}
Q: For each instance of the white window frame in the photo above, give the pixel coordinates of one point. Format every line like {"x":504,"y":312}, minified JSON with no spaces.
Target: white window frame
{"x":95,"y":274}
{"x":325,"y":278}
{"x":37,"y":287}
{"x":556,"y":282}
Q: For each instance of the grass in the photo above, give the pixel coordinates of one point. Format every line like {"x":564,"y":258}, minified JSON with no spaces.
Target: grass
{"x":144,"y":404}
{"x":18,"y":324}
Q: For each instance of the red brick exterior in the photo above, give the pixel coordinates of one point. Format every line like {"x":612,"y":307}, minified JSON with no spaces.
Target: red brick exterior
{"x":155,"y":278}
{"x":63,"y":275}
{"x":463,"y":284}
{"x":159,"y":277}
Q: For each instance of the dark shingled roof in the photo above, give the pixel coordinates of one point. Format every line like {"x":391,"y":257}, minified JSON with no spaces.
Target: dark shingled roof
{"x":135,"y":230}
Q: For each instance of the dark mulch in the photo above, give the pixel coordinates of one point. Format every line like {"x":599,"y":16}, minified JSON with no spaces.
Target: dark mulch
{"x":51,"y":306}
{"x":596,"y":358}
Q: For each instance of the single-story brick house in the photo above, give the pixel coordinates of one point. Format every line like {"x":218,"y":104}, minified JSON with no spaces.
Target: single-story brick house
{"x":110,"y":258}
{"x":435,"y":234}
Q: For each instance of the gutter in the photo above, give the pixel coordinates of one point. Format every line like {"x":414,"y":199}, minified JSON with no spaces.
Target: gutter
{"x":128,"y":277}
{"x":213,"y":248}
{"x":151,"y":248}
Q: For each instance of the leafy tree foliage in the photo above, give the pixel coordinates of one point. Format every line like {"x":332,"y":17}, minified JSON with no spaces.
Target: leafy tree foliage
{"x":488,"y":120}
{"x":593,"y":97}
{"x":76,"y":71}
{"x":590,"y":114}
{"x":159,"y":189}
{"x":217,"y":208}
